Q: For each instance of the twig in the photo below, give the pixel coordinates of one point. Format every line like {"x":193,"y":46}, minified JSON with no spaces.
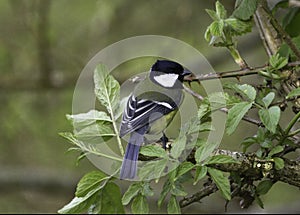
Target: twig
{"x":225,"y":110}
{"x":292,"y":123}
{"x":262,"y":35}
{"x":236,"y":73}
{"x":206,"y":190}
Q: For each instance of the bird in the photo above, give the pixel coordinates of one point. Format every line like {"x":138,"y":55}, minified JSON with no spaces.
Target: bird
{"x":150,"y":108}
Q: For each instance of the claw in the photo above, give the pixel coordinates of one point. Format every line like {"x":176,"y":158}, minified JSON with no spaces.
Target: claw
{"x":191,"y":78}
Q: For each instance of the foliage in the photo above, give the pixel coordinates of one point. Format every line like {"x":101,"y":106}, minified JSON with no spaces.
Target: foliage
{"x":96,"y":191}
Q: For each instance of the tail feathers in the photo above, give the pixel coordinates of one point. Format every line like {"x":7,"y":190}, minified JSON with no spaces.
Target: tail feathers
{"x":129,"y":165}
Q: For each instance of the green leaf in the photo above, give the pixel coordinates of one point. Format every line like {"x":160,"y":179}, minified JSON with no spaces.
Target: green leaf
{"x":173,"y":206}
{"x":201,"y":172}
{"x":204,"y":150}
{"x":270,"y":117}
{"x":277,"y":62}
{"x":238,"y":27}
{"x":95,"y":130}
{"x":147,"y":190}
{"x":221,"y":181}
{"x":279,"y":163}
{"x":206,"y":126}
{"x":166,"y":189}
{"x":259,"y":201}
{"x":119,"y":111}
{"x":259,"y":152}
{"x":245,"y":9}
{"x":267,"y":100}
{"x":178,"y":146}
{"x":245,"y":90}
{"x":290,"y":21}
{"x":294,"y":93}
{"x":204,"y":109}
{"x":153,"y":151}
{"x":286,"y":52}
{"x":184,"y":168}
{"x":221,"y":159}
{"x":217,"y":100}
{"x":207,"y":34}
{"x":267,"y":143}
{"x":212,"y":14}
{"x":231,"y":100}
{"x":84,"y":119}
{"x":88,"y":148}
{"x":109,"y":201}
{"x":107,"y":89}
{"x":89,"y":182}
{"x":275,"y":150}
{"x":79,"y":204}
{"x":247,"y":142}
{"x":280,"y":4}
{"x":270,"y":74}
{"x":152,"y":169}
{"x":192,"y":126}
{"x":140,"y":205}
{"x":263,"y":187}
{"x":177,"y":190}
{"x":262,"y":134}
{"x":131,"y":192}
{"x":235,"y":114}
{"x":216,"y":28}
{"x":221,"y":11}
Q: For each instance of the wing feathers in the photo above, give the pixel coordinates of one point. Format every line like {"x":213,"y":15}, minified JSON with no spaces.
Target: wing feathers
{"x":138,"y":113}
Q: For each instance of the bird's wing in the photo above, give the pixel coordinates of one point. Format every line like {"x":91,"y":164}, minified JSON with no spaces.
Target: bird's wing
{"x":139,"y":113}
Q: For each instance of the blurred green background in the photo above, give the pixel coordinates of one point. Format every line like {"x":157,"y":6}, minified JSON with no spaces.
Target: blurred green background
{"x":44,"y":45}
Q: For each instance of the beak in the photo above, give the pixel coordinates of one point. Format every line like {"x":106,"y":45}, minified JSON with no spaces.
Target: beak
{"x":188,"y":75}
{"x":186,"y":72}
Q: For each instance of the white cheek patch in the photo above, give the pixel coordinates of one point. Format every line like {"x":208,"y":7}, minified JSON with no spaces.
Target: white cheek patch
{"x":166,"y":80}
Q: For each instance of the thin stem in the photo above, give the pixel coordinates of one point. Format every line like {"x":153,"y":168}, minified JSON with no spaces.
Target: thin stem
{"x":237,"y":57}
{"x":292,"y":123}
{"x":107,"y":156}
{"x":117,"y":132}
{"x":294,"y":133}
{"x":110,"y":109}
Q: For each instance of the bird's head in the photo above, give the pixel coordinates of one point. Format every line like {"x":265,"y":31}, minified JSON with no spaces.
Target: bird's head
{"x":168,"y":74}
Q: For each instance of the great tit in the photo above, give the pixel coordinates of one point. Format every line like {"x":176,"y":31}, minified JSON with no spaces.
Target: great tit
{"x":150,"y":108}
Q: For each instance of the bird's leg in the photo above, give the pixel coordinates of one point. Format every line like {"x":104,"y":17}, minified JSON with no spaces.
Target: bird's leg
{"x":164,"y":141}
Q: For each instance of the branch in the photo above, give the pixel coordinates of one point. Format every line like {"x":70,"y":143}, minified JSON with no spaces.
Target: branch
{"x":206,"y":190}
{"x":295,"y":3}
{"x":268,"y":34}
{"x":250,"y":166}
{"x":234,"y":73}
{"x":271,"y":32}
